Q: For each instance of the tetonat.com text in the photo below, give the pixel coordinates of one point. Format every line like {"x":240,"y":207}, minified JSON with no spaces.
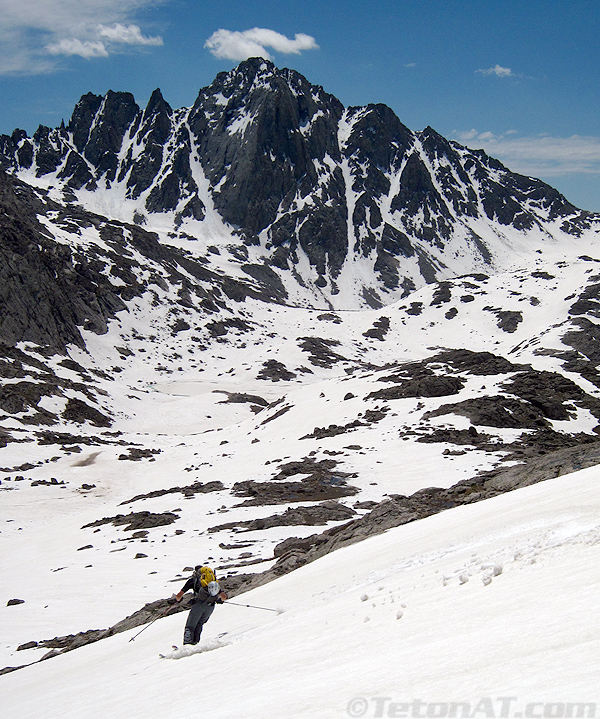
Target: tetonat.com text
{"x":484,"y":708}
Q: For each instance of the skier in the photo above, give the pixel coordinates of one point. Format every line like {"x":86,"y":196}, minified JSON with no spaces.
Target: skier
{"x":207,"y":593}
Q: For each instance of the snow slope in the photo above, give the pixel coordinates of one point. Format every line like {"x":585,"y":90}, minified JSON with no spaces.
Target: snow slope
{"x":520,"y":634}
{"x":482,"y":610}
{"x":196,"y":438}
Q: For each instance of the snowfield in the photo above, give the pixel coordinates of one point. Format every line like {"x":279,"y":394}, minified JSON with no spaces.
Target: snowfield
{"x":481,"y":611}
{"x":461,"y":611}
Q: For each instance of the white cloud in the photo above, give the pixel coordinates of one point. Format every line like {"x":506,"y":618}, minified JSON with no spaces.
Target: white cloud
{"x":498,"y":70}
{"x":538,"y":156}
{"x":234,"y":45}
{"x":74,"y":46}
{"x":128,"y":34}
{"x":465,"y":135}
{"x":34,"y":33}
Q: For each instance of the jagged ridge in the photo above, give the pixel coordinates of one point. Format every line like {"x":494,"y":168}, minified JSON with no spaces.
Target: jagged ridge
{"x":347,"y":206}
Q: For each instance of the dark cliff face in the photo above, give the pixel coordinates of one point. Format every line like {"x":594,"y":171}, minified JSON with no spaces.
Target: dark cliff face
{"x":289,"y":168}
{"x":46,"y":292}
{"x":50,"y":290}
{"x":263,"y":137}
{"x":254,"y":132}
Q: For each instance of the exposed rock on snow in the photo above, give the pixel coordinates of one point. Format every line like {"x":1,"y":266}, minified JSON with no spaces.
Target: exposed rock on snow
{"x":328,"y":511}
{"x":187,"y":491}
{"x":136,"y":520}
{"x":307,"y":490}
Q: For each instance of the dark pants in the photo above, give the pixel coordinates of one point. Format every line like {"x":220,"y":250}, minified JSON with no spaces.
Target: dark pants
{"x":198,"y":616}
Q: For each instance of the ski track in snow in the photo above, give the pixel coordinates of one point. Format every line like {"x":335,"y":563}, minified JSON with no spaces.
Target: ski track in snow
{"x":183,"y":652}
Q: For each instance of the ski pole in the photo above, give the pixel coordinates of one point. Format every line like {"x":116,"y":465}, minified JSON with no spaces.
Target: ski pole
{"x":252,"y":606}
{"x":162,"y":614}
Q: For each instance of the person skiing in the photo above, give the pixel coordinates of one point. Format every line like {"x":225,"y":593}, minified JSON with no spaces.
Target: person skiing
{"x":207,"y":593}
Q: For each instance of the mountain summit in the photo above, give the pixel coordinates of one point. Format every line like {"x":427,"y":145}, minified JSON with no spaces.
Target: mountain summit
{"x":344,"y":207}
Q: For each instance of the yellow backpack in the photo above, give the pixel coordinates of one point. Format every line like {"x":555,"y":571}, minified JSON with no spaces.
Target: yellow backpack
{"x":204,"y":575}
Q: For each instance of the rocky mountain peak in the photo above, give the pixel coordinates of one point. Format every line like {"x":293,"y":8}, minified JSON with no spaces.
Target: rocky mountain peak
{"x":260,"y":132}
{"x":82,"y":119}
{"x":366,"y":207}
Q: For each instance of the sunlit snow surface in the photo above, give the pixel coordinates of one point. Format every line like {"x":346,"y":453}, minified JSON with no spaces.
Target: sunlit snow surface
{"x":479,"y":605}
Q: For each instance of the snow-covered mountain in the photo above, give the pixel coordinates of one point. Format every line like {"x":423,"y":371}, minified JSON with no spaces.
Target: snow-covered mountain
{"x":343,"y":207}
{"x":263,"y":328}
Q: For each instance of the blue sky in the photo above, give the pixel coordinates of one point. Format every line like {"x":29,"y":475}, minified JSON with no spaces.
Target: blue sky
{"x":519,"y":79}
